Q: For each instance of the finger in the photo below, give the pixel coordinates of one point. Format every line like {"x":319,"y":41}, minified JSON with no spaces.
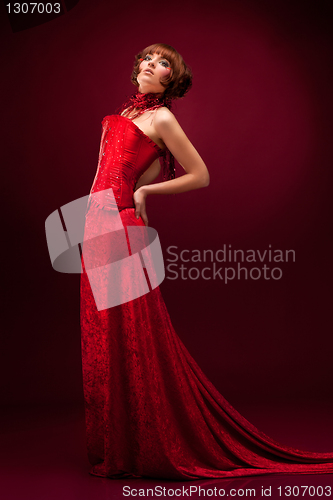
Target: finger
{"x":144,"y":218}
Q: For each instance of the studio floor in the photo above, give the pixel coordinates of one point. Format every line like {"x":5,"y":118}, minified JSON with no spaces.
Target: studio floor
{"x":43,"y":456}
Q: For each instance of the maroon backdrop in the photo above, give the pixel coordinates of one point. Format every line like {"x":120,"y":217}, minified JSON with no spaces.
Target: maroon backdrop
{"x":259,"y":114}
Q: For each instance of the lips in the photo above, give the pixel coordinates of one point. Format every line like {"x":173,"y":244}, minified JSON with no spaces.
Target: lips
{"x":148,"y":71}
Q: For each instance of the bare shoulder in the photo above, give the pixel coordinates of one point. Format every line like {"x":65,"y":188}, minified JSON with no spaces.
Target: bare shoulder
{"x":164,"y":118}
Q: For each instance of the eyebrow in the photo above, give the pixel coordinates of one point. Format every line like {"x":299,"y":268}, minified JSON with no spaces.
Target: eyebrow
{"x":159,"y":55}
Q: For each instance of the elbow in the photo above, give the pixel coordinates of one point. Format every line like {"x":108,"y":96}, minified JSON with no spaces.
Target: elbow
{"x":205,"y":180}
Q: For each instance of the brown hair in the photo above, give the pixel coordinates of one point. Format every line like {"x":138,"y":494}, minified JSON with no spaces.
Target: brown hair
{"x":179,"y":82}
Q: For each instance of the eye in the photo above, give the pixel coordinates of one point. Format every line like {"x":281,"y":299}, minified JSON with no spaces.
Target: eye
{"x":147,"y":58}
{"x":165,"y":64}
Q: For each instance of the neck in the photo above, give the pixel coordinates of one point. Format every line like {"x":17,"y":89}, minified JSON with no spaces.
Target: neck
{"x":148,"y":93}
{"x":150,"y":89}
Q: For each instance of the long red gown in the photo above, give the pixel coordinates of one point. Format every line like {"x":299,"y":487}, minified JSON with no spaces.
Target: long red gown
{"x":149,"y":409}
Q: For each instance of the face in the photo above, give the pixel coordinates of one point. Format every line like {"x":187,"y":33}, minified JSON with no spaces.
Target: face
{"x":153,"y":68}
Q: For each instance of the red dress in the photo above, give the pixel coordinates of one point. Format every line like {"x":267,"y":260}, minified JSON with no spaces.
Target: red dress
{"x":150,"y":411}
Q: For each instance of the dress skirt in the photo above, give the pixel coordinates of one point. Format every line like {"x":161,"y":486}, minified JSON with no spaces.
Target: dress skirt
{"x":149,"y":409}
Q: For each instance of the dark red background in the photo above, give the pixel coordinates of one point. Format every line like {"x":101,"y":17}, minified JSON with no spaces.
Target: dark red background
{"x":259,"y":114}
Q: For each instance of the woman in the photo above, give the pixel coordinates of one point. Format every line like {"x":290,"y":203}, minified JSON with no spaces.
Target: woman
{"x":150,"y":411}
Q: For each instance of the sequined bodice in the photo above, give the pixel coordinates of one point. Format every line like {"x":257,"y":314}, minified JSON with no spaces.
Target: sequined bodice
{"x":125,"y":153}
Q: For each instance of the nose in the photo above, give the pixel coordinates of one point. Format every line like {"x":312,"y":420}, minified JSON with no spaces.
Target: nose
{"x":151,"y":63}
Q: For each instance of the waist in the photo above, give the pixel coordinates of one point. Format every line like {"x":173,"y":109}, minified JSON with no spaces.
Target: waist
{"x":110,"y":199}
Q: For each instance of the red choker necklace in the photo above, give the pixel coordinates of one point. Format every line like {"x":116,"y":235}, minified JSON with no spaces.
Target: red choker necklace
{"x":139,"y":103}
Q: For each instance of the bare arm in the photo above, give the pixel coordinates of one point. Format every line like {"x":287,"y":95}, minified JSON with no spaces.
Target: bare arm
{"x":196,"y":176}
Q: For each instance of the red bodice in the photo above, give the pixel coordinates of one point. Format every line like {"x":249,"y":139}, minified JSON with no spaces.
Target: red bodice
{"x":125,"y":154}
